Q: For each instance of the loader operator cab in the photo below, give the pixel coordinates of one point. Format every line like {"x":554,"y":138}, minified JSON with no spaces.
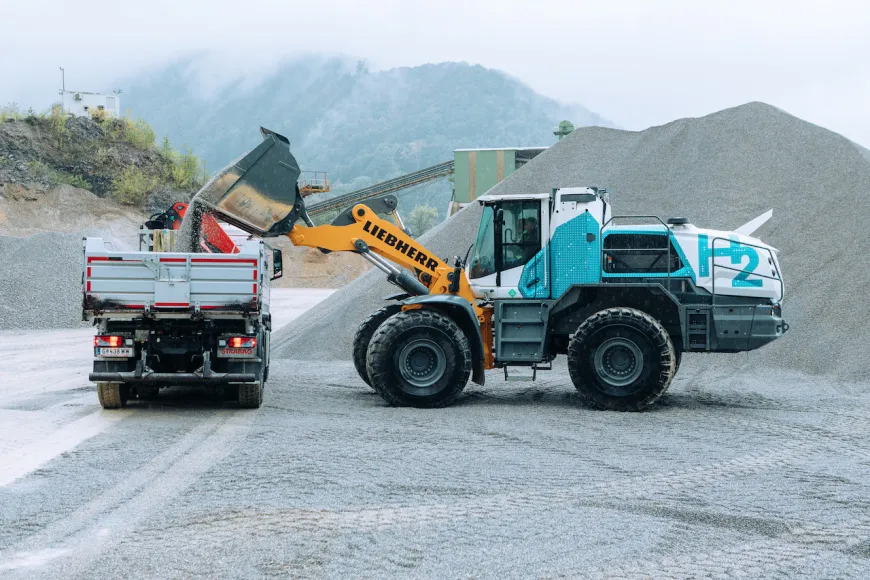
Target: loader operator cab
{"x":509,"y":236}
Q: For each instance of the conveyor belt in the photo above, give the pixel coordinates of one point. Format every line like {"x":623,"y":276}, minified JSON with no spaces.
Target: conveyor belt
{"x":389,"y":186}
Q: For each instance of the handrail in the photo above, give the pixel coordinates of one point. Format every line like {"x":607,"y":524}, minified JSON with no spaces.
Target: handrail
{"x":668,"y":231}
{"x":713,"y":269}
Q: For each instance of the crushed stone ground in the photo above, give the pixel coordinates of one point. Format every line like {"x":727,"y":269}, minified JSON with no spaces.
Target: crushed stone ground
{"x":764,"y":478}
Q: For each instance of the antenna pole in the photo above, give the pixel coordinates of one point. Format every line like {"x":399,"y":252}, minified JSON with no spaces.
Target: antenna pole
{"x":62,"y":80}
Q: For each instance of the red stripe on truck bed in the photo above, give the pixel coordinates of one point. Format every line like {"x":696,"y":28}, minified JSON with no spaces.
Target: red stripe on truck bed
{"x":173,"y":259}
{"x":172,"y":304}
{"x":224,"y":261}
{"x":108,"y":259}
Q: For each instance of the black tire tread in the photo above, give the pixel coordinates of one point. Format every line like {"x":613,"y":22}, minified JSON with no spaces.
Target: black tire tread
{"x":639,"y":320}
{"x":111,"y":395}
{"x":378,"y":358}
{"x":251,"y":395}
{"x":363,"y":337}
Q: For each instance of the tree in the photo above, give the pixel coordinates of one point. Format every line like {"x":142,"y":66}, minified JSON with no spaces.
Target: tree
{"x":422,"y":218}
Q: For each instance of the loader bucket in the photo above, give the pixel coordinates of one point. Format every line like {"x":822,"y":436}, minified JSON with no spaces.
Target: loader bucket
{"x":258,"y":192}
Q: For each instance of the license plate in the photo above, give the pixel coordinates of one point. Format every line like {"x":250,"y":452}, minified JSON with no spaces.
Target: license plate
{"x":119,"y":352}
{"x":230,"y":352}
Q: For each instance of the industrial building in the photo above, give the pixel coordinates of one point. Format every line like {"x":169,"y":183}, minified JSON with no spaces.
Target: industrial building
{"x":478,"y":170}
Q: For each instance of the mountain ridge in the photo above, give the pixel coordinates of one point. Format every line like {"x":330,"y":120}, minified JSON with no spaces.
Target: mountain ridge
{"x":361,"y":126}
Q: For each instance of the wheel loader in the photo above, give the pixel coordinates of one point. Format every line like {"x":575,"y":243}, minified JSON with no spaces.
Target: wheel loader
{"x":550,"y":273}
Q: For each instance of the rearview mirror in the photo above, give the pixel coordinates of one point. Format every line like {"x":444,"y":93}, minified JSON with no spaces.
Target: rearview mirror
{"x":277,"y":264}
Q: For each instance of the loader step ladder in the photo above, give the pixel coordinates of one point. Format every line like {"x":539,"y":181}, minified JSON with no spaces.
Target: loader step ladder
{"x":520,"y":330}
{"x":698,"y":329}
{"x":526,"y":378}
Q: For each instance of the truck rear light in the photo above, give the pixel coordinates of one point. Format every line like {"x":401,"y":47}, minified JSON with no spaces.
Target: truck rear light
{"x":109,"y":341}
{"x":242,"y":342}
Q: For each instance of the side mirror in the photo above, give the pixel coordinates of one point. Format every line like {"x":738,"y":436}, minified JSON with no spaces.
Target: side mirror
{"x":499,"y":216}
{"x":277,"y":264}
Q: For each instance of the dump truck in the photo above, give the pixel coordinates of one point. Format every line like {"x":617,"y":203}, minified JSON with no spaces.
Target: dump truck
{"x":551,"y":273}
{"x":170,"y":318}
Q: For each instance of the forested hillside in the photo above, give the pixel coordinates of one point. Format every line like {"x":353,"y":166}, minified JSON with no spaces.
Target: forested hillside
{"x":361,"y":126}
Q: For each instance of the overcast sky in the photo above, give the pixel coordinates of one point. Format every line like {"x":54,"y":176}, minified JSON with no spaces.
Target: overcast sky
{"x":637,"y":62}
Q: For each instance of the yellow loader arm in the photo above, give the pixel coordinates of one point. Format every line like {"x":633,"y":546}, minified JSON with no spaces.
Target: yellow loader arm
{"x":370,"y":234}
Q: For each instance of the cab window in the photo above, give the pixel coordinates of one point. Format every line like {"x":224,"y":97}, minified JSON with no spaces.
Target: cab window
{"x":520,"y":232}
{"x":482,"y":261}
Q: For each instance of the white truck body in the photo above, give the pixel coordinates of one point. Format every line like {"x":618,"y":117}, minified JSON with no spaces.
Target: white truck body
{"x":130,"y":283}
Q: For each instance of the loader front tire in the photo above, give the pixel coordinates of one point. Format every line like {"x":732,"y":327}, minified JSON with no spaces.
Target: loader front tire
{"x":363,"y":337}
{"x":621,"y":359}
{"x":113,"y":395}
{"x":419,"y":358}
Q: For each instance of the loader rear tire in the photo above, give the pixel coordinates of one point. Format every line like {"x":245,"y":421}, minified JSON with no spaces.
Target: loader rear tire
{"x":113,"y":395}
{"x":419,"y":358}
{"x":363,"y":337}
{"x":621,"y":359}
{"x":251,"y":395}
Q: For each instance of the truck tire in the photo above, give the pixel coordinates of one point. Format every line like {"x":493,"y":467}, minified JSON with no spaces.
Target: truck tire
{"x":621,"y":359}
{"x":113,"y":395}
{"x":419,"y":358}
{"x":251,"y":395}
{"x":363,"y":337}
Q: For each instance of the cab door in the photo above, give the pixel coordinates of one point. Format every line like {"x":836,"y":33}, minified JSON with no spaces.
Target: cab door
{"x":508,"y":256}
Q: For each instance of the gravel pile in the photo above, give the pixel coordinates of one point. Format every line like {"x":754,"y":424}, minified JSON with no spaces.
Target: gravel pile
{"x":720,"y":171}
{"x":42,"y":282}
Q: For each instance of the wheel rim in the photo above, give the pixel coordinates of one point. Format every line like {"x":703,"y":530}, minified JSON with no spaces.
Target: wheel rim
{"x":422,"y":363}
{"x":618,"y":361}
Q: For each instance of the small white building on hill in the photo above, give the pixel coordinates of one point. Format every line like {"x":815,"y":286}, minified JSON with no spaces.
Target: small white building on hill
{"x":81,"y":104}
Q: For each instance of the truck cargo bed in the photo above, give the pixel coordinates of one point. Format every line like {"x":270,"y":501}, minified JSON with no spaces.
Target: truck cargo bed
{"x":171,"y":283}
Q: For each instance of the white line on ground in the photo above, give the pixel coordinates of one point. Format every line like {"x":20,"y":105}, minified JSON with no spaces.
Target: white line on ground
{"x":19,"y":462}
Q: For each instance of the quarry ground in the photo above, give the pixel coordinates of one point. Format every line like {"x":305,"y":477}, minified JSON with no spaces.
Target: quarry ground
{"x":763,"y":477}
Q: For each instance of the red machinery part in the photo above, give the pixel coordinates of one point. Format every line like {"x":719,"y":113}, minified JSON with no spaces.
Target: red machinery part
{"x":214,"y":238}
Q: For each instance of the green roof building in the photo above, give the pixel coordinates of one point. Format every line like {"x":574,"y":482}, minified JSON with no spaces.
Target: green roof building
{"x":476,"y":171}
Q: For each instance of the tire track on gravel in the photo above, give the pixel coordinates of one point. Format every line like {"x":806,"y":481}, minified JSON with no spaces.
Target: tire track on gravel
{"x":801,"y":444}
{"x":67,"y":547}
{"x":781,"y":556}
{"x":499,"y":505}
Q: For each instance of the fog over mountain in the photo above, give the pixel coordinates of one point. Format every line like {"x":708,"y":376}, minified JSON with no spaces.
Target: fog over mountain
{"x":360,"y":125}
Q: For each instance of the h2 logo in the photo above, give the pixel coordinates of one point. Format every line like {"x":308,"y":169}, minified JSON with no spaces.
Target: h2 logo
{"x":736,"y":251}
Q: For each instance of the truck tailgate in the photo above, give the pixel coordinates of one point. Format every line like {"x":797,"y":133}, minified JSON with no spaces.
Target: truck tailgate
{"x":171,"y":281}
